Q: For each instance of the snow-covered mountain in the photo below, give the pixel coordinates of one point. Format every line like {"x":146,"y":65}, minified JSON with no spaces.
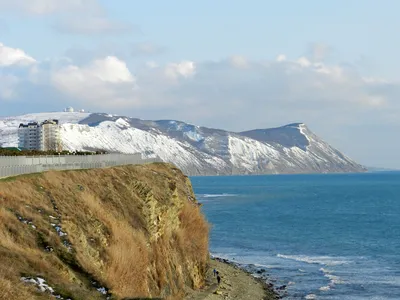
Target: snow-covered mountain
{"x":196,"y":150}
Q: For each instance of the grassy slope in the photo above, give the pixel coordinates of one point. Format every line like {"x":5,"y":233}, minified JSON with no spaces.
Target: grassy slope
{"x":135,"y":230}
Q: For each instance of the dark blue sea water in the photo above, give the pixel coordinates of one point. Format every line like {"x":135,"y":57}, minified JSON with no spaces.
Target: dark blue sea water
{"x":323,"y":236}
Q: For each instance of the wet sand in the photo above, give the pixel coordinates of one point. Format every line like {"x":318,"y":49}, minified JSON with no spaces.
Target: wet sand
{"x":235,"y":284}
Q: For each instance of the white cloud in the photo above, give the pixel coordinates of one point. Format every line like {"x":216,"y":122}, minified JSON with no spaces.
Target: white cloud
{"x":182,"y":69}
{"x":304,"y":62}
{"x":220,"y":93}
{"x":13,"y":56}
{"x":101,"y":82}
{"x":73,"y":16}
{"x":215,"y":90}
{"x":281,"y":57}
{"x":107,"y":70}
{"x":43,"y":7}
{"x":238,"y":61}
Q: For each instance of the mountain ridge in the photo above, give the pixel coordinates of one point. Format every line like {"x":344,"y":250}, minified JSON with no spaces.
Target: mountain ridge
{"x":197,"y":150}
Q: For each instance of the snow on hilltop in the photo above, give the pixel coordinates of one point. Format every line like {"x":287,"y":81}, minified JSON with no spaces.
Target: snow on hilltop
{"x":196,"y":150}
{"x":9,"y":125}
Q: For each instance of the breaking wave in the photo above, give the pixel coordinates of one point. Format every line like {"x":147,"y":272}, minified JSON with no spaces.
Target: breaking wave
{"x":217,"y":195}
{"x":321,"y":260}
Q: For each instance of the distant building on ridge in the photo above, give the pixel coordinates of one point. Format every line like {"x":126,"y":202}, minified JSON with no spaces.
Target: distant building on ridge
{"x":69,"y":109}
{"x":44,"y":137}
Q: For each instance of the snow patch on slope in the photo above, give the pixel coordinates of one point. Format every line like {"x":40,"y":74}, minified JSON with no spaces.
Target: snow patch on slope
{"x":193,"y":135}
{"x":122,"y":123}
{"x":109,"y":137}
{"x":303,"y":130}
{"x":247,"y":152}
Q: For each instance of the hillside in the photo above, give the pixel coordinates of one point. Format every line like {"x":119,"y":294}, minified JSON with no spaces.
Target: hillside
{"x":196,"y":150}
{"x":124,"y":232}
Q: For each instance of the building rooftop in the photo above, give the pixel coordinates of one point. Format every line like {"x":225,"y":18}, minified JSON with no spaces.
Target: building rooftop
{"x":29,"y":124}
{"x":50,"y":121}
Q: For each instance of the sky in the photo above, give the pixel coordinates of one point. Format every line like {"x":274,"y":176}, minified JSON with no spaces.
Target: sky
{"x":234,"y":65}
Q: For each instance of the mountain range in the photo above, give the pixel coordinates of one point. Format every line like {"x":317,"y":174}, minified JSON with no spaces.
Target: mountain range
{"x":196,"y":150}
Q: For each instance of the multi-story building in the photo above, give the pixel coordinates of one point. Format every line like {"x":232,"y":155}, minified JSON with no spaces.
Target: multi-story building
{"x":44,"y":136}
{"x":50,"y":136}
{"x":29,"y":136}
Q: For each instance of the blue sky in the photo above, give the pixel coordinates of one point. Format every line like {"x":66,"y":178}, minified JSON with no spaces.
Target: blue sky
{"x":235,"y":65}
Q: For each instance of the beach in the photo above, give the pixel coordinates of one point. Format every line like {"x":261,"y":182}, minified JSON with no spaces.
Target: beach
{"x":235,"y":284}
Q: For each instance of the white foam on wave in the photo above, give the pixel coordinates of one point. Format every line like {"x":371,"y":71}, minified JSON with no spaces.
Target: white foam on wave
{"x":321,"y":260}
{"x":310,"y":297}
{"x":217,"y":195}
{"x":325,"y":271}
{"x":333,"y":280}
{"x":238,"y":259}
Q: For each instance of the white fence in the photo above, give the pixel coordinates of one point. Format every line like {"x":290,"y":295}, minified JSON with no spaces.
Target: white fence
{"x":16,"y":165}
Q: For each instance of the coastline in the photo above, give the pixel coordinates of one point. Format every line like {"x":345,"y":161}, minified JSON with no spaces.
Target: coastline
{"x":236,"y":283}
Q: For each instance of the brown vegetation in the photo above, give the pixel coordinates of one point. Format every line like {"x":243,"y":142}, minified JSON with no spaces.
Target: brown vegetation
{"x":135,"y":230}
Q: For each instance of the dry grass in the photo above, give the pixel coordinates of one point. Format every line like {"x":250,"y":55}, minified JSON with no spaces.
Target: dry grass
{"x":8,"y":288}
{"x":134,"y":229}
{"x":193,"y":242}
{"x":194,"y":232}
{"x":126,"y":254}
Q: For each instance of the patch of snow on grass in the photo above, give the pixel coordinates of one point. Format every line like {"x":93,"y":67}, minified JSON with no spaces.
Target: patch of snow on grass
{"x":40,"y":283}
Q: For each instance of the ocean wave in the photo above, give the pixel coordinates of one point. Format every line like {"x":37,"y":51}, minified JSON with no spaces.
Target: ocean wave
{"x":325,"y":288}
{"x":333,"y":280}
{"x":217,"y":195}
{"x":325,"y":271}
{"x":320,"y":260}
{"x":311,"y":297}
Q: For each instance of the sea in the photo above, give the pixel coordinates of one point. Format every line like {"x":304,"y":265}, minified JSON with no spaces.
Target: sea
{"x":325,"y":236}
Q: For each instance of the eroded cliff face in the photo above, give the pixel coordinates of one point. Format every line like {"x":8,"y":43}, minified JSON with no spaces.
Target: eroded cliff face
{"x":124,"y":232}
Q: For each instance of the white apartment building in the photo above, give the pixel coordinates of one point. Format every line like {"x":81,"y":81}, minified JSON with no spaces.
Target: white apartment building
{"x":43,"y":137}
{"x":29,"y":136}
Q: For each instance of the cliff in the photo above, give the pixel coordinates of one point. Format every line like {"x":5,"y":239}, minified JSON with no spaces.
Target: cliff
{"x":115,"y":233}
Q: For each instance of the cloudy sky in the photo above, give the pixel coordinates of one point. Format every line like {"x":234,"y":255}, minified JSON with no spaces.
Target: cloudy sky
{"x":228,"y":64}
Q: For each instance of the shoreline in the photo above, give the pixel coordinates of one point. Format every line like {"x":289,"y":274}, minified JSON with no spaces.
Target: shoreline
{"x":236,"y":283}
{"x":268,"y":287}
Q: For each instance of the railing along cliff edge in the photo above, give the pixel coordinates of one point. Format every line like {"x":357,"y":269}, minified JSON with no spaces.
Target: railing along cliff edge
{"x":17,"y":165}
